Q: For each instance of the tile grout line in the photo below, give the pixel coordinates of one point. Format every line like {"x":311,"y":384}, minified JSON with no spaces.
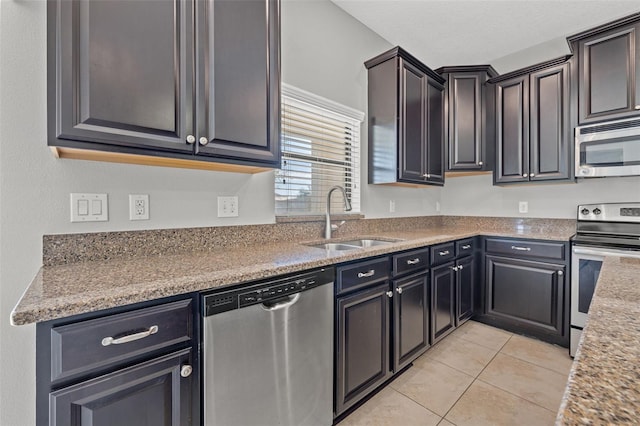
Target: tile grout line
{"x":511,"y":393}
{"x":518,"y":396}
{"x":475,"y":379}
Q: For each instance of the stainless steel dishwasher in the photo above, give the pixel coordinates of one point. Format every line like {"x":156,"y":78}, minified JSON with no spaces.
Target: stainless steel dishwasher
{"x":268,"y":352}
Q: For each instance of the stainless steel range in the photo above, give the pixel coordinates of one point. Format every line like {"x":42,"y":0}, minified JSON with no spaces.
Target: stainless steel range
{"x":602,"y":230}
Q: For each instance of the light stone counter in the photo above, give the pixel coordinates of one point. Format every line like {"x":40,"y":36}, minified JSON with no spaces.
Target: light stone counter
{"x":604,"y":383}
{"x":64,"y":289}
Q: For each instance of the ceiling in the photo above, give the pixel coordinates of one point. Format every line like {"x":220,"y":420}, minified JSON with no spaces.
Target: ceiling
{"x":463,"y":32}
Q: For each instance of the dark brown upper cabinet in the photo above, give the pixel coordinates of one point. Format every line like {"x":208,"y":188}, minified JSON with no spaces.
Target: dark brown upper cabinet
{"x":406,"y":121}
{"x":168,"y":81}
{"x":469,"y":114}
{"x":608,"y":72}
{"x":533,"y":126}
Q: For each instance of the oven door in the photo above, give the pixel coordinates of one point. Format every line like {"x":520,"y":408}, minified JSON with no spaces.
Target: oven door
{"x":585,"y":269}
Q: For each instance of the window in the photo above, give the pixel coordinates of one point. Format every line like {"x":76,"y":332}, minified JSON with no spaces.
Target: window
{"x":320,"y":149}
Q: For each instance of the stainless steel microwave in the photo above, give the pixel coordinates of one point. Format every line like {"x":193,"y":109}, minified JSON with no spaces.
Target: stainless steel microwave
{"x":608,"y":149}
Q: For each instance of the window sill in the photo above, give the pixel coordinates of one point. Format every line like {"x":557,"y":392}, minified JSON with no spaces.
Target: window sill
{"x":318,"y":218}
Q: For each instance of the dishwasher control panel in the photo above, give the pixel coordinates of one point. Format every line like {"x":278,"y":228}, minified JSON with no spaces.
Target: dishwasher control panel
{"x":253,"y":293}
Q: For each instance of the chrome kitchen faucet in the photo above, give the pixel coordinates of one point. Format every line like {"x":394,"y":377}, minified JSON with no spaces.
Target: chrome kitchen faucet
{"x":347,"y":207}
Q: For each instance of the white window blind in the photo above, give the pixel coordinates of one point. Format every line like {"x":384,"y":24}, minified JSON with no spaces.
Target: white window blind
{"x":320,"y":149}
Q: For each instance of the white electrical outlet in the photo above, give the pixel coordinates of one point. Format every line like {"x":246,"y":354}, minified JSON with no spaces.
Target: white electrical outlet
{"x":523,"y":206}
{"x":228,"y":206}
{"x":138,"y":207}
{"x":392,"y":206}
{"x":89,"y":208}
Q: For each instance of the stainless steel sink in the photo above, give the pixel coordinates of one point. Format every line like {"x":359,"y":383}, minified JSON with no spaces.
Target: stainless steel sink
{"x":366,"y":243}
{"x":335,"y":246}
{"x":350,"y":245}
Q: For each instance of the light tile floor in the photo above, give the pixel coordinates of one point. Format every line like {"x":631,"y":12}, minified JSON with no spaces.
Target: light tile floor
{"x":478,"y":375}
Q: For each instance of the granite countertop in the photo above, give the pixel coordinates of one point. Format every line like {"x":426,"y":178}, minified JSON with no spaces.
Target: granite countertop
{"x":60,"y":291}
{"x":604,"y":383}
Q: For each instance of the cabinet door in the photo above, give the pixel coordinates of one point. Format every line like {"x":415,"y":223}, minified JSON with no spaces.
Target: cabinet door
{"x":120,"y":74}
{"x":550,"y":131}
{"x":512,"y":130}
{"x":434,"y":161}
{"x":443,"y":311}
{"x":362,"y":355}
{"x":411,"y":319}
{"x":526,"y":293}
{"x":149,"y":394}
{"x":239,"y":79}
{"x":609,"y":74}
{"x":465,"y":121}
{"x":412,"y":124}
{"x":465,"y":288}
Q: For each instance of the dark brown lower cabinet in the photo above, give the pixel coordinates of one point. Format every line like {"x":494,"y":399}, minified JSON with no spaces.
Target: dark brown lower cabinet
{"x":527,"y":295}
{"x":465,"y":288}
{"x":411,"y":318}
{"x":362,"y":349}
{"x":148,"y":394}
{"x":443,"y":301}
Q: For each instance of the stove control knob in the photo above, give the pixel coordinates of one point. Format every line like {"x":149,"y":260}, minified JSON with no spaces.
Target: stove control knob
{"x":584,"y":211}
{"x":597,"y":211}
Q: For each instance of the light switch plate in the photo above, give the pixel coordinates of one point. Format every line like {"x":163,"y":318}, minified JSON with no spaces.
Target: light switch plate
{"x":89,"y":207}
{"x":228,"y":206}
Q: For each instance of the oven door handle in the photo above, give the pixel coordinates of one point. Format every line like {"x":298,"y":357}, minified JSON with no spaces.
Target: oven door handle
{"x":605,"y":252}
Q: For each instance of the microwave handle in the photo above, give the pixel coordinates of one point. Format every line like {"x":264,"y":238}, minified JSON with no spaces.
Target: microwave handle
{"x":605,"y":252}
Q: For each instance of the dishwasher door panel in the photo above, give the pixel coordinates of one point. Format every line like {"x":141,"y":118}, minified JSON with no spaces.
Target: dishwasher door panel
{"x":271,"y":366}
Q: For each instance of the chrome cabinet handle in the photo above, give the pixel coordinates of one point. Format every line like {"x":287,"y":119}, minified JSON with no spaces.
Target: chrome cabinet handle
{"x":466,"y":247}
{"x":130,"y":337}
{"x":460,"y":267}
{"x":426,"y":175}
{"x":191,"y":139}
{"x":455,"y":268}
{"x":399,"y":290}
{"x":560,"y":273}
{"x":525,"y":175}
{"x":444,"y":253}
{"x":413,"y":261}
{"x":637,"y":106}
{"x":480,"y":163}
{"x":186,"y":370}
{"x":389,"y":294}
{"x":369,"y":273}
{"x":203,"y":141}
{"x":520,"y":248}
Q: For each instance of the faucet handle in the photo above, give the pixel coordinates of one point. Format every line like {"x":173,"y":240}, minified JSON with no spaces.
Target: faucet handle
{"x":334,"y":226}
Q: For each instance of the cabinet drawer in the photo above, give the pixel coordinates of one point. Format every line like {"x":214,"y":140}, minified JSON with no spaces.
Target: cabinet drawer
{"x":442,"y":253}
{"x":465,"y":247}
{"x":89,"y":345}
{"x":526,"y":248}
{"x":361,"y":274}
{"x":410,"y":261}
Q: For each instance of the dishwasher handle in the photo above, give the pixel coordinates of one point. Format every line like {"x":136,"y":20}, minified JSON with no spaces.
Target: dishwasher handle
{"x":284,"y":302}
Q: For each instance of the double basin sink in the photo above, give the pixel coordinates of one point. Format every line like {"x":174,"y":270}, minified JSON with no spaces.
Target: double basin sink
{"x":351,"y":244}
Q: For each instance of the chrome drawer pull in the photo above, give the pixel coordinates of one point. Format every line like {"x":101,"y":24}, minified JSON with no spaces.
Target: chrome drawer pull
{"x":444,"y":253}
{"x":130,"y":338}
{"x":466,"y":247}
{"x":389,"y":294}
{"x":366,"y":274}
{"x":414,"y":261}
{"x":521,"y":248}
{"x":399,"y":290}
